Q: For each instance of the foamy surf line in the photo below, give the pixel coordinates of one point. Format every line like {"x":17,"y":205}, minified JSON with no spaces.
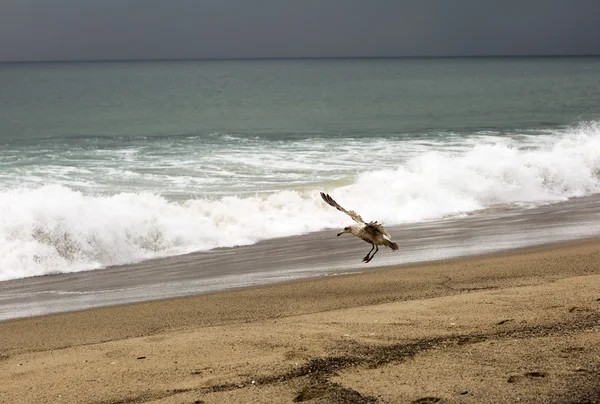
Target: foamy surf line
{"x":56,"y":229}
{"x":299,"y":257}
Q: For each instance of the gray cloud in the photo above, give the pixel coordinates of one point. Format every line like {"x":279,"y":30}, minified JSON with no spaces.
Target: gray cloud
{"x":153,"y":29}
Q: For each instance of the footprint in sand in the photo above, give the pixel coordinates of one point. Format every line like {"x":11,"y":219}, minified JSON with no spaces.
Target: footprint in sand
{"x":508,"y":320}
{"x":535,"y":375}
{"x":576,"y":309}
{"x":427,"y":400}
{"x":530,"y":375}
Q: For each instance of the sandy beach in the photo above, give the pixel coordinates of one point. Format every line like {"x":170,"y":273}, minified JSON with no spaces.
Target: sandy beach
{"x":520,"y":326}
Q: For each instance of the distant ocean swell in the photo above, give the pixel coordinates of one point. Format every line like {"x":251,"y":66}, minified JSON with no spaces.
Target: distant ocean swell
{"x":53,"y":228}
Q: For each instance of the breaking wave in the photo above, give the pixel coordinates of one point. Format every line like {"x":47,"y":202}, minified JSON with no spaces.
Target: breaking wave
{"x":55,"y":228}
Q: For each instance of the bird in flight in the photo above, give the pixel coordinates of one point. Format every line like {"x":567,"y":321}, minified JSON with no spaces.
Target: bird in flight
{"x":372,"y":232}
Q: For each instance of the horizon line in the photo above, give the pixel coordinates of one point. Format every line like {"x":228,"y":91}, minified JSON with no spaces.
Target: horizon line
{"x":507,"y":56}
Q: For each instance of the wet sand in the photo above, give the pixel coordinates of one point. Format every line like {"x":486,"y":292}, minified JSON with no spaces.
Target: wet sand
{"x":520,"y":326}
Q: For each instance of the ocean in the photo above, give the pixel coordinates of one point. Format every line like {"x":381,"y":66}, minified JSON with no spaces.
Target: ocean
{"x":112,"y":163}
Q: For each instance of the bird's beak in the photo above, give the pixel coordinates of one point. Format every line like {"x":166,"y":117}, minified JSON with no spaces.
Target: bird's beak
{"x":340,"y":233}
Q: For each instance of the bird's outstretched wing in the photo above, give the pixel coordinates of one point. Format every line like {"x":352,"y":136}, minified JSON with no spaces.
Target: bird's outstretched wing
{"x":355,"y":216}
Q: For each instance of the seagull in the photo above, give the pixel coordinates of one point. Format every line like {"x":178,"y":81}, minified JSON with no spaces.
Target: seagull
{"x":372,"y":232}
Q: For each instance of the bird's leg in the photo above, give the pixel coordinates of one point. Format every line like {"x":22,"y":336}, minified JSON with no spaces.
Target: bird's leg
{"x":371,"y":257}
{"x":366,"y":259}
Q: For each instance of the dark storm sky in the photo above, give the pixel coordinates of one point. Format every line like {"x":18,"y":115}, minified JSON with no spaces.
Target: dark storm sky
{"x":153,"y":29}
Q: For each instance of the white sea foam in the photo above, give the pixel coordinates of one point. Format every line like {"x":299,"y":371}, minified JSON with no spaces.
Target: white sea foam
{"x":56,"y":228}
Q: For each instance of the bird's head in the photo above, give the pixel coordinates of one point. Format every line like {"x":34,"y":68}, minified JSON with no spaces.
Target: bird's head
{"x":347,"y":229}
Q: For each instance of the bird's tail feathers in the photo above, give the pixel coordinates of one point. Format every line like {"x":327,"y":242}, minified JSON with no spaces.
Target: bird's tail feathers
{"x":392,"y":245}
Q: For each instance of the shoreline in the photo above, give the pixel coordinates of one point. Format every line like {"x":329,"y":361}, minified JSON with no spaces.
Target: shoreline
{"x":356,"y":271}
{"x":312,"y":255}
{"x":399,"y":333}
